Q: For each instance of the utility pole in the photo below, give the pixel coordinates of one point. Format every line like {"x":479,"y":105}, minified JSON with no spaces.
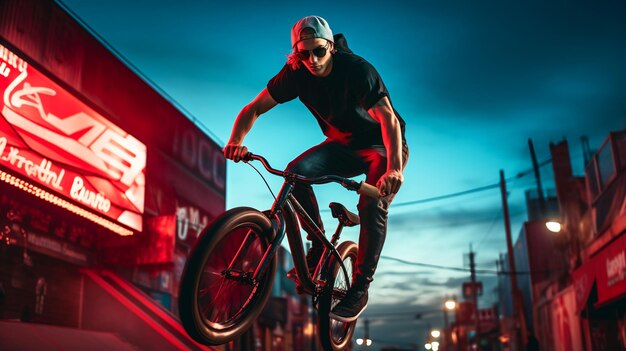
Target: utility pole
{"x":366,"y":338}
{"x":472,"y":264}
{"x":542,"y":200}
{"x":474,"y":290}
{"x":447,"y":329}
{"x":516,"y":298}
{"x":367,"y":329}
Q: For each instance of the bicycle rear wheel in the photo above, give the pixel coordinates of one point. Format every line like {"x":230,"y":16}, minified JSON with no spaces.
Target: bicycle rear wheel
{"x":335,"y":335}
{"x":218,"y":300}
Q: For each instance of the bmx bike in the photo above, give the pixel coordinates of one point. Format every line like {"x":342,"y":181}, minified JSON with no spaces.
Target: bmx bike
{"x":229,"y":273}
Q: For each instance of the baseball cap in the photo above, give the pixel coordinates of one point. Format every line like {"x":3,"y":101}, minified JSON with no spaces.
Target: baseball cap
{"x":320,"y":28}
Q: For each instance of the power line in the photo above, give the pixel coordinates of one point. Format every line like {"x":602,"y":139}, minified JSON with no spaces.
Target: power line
{"x":495,"y":219}
{"x":461,"y":193}
{"x":398,"y":318}
{"x":468,"y":221}
{"x":428,"y":265}
{"x":491,"y":226}
{"x":375,"y":316}
{"x":447,"y":196}
{"x":470,"y":191}
{"x":460,"y":269}
{"x":412,"y":314}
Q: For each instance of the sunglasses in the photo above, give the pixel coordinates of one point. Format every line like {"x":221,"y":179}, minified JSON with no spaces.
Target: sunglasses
{"x":319,"y":52}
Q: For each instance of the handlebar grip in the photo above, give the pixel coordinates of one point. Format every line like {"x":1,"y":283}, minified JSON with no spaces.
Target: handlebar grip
{"x":368,"y":190}
{"x":247,"y":157}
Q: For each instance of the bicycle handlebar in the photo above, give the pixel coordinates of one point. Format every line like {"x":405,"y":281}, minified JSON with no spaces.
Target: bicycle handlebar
{"x":359,"y":187}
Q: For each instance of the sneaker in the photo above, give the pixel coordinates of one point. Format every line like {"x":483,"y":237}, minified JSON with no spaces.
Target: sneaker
{"x":351,"y":306}
{"x":312,"y":258}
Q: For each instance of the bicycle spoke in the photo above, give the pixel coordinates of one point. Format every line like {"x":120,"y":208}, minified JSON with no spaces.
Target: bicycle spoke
{"x":218,"y":303}
{"x":247,"y":241}
{"x":213,"y":301}
{"x":338,"y":330}
{"x":221,"y":315}
{"x":223,"y":298}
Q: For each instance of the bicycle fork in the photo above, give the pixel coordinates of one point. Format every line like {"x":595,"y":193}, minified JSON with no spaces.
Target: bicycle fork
{"x":277,"y":228}
{"x":252,"y":278}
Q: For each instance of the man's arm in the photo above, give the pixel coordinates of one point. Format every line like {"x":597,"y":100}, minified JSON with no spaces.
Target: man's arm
{"x":234,"y":150}
{"x":382,"y":112}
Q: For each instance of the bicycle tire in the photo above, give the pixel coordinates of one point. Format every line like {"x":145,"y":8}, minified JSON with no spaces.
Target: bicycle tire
{"x":208,"y":292}
{"x":335,"y":335}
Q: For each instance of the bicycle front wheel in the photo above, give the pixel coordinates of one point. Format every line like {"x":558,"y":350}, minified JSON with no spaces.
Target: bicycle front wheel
{"x":336,"y":335}
{"x":218,"y":301}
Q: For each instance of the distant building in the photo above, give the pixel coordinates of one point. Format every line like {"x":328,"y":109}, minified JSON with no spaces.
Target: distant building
{"x":574,"y":291}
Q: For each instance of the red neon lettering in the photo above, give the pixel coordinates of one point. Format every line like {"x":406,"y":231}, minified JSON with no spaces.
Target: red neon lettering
{"x":81,"y":193}
{"x":126,"y":155}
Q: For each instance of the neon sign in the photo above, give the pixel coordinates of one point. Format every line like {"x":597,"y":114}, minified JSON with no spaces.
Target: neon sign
{"x":55,"y":200}
{"x":189,"y":221}
{"x":616,"y":268}
{"x":50,"y":137}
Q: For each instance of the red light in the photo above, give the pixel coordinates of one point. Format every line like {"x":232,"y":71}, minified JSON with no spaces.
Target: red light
{"x":55,"y":200}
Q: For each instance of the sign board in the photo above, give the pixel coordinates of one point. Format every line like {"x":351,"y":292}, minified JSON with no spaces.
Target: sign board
{"x":54,"y":141}
{"x":472,"y":289}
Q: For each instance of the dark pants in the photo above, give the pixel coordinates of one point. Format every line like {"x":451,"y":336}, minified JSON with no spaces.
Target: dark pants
{"x":332,"y":158}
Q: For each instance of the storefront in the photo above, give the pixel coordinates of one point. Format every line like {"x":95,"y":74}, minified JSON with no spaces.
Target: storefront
{"x":600,"y":286}
{"x":600,"y":282}
{"x":97,"y":169}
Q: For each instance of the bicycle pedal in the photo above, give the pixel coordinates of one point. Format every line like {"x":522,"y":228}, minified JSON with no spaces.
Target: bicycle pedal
{"x":293,"y":276}
{"x":299,"y":289}
{"x":320,"y":286}
{"x":315,"y":303}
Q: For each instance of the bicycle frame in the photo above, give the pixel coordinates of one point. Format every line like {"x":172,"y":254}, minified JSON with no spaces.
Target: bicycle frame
{"x":284,"y":216}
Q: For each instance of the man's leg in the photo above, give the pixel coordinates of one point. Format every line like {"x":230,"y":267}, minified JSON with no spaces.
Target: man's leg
{"x":373,"y":215}
{"x":327,"y":158}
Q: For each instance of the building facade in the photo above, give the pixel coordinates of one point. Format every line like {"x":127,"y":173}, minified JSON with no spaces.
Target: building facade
{"x":98,"y":171}
{"x":575,"y":293}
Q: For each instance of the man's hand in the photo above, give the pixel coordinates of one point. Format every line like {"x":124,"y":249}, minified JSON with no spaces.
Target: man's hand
{"x":234,"y":152}
{"x":390,"y":182}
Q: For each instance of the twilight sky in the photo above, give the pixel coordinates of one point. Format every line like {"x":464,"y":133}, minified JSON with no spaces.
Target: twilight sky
{"x":474,"y":80}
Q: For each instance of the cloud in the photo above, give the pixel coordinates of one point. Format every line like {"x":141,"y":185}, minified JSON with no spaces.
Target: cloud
{"x":402,"y":274}
{"x":494,"y":63}
{"x":450,"y":217}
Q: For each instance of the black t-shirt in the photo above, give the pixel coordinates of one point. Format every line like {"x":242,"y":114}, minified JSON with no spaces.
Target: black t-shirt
{"x":338,"y":101}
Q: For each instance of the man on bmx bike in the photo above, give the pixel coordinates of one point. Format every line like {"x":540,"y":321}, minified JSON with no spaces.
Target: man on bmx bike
{"x":365,"y":135}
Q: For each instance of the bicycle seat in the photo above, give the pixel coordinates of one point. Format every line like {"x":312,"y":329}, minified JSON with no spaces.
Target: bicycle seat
{"x":345,"y":217}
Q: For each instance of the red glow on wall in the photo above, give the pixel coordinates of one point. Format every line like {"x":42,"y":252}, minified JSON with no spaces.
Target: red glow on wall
{"x":49,"y":137}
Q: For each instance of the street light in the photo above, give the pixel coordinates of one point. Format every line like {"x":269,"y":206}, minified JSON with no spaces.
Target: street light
{"x":435,"y":333}
{"x":428,"y":346}
{"x":450,"y":304}
{"x":553,"y":226}
{"x":367,"y":342}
